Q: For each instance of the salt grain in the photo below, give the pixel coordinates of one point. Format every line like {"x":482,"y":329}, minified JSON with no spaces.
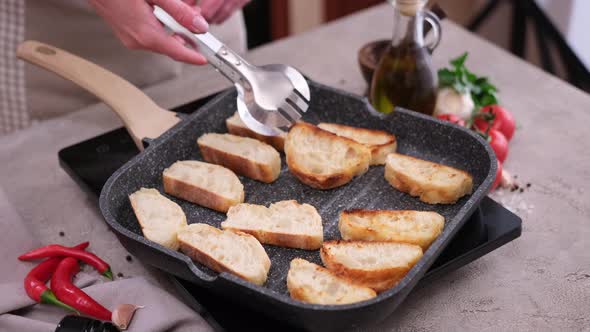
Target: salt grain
{"x":513,"y":201}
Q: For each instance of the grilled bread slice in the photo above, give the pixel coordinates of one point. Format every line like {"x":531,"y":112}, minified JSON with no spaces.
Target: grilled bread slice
{"x":160,"y":218}
{"x":312,"y":283}
{"x":378,"y":265}
{"x":243,"y":155}
{"x":324,"y":160}
{"x":225,"y":251}
{"x":414,"y":227}
{"x":433,"y":183}
{"x":285,"y":224}
{"x":381,"y":143}
{"x":212,"y":186}
{"x":237,"y":127}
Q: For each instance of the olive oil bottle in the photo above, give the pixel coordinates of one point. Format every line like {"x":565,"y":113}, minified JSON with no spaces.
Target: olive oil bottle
{"x":405,"y":76}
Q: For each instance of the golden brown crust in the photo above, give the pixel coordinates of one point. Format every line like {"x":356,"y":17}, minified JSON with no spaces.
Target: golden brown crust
{"x":320,"y":132}
{"x":358,"y":275}
{"x":379,"y":280}
{"x":429,"y":193}
{"x":351,"y":230}
{"x":298,"y":241}
{"x":298,"y":293}
{"x":198,"y":195}
{"x":324,"y":181}
{"x":278,"y":142}
{"x":384,"y":285}
{"x":367,"y":131}
{"x":372,"y":213}
{"x":378,"y":151}
{"x":243,"y":166}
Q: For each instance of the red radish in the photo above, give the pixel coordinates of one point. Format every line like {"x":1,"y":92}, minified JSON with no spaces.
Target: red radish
{"x":499,"y":118}
{"x":452,"y":118}
{"x":498,"y":177}
{"x":499,"y":143}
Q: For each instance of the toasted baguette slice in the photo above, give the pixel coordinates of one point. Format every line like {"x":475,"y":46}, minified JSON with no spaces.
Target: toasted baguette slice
{"x":212,"y":186}
{"x":324,"y":160}
{"x":414,"y":227}
{"x":245,"y":156}
{"x":378,"y":265}
{"x":312,"y":283}
{"x":237,"y":127}
{"x":381,"y":143}
{"x":160,"y":218}
{"x":285,"y":224}
{"x":433,"y":183}
{"x":225,"y":251}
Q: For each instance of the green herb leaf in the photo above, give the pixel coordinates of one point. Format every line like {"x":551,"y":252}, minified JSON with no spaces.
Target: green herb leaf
{"x":488,"y":99}
{"x":462,"y":80}
{"x":458,"y":62}
{"x":481,"y":80}
{"x":476,"y":90}
{"x":488,"y":87}
{"x":446,"y":77}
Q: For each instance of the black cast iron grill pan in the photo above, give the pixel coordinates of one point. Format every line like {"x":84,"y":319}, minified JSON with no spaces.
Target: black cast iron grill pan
{"x":418,"y":135}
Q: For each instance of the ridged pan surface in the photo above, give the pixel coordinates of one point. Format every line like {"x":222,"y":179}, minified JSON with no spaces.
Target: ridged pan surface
{"x":417,"y":135}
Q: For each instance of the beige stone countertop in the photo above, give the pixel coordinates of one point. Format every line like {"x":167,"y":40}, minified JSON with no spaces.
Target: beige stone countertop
{"x":540,"y":281}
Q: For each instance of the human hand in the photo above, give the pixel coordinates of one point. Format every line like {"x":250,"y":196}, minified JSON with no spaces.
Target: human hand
{"x":134,"y":23}
{"x":217,"y":11}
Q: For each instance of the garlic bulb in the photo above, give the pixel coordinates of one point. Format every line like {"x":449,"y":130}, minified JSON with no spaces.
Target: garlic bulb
{"x":506,"y":180}
{"x":449,"y":101}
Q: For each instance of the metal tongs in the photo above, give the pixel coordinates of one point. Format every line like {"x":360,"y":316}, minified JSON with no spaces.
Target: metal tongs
{"x":271,"y":98}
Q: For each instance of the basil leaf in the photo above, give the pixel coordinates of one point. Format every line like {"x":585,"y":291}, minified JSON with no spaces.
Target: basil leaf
{"x":488,"y":87}
{"x":475,"y":89}
{"x":446,"y":77}
{"x":481,"y":80}
{"x":458,"y":62}
{"x":471,"y":77}
{"x":462,"y":80}
{"x":488,"y":99}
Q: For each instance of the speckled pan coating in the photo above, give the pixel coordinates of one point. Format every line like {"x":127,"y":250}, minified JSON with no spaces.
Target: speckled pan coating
{"x":418,"y":135}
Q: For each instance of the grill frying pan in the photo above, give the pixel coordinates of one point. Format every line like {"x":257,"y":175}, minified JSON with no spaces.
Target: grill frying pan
{"x":418,"y":135}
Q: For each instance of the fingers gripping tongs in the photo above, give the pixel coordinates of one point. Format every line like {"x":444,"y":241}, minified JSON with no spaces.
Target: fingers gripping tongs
{"x":270,"y":99}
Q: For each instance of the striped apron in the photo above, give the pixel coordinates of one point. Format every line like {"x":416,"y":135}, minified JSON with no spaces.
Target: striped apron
{"x":13,"y":101}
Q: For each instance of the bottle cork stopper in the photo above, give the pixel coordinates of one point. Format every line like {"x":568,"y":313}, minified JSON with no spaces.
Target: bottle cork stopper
{"x":409,"y":7}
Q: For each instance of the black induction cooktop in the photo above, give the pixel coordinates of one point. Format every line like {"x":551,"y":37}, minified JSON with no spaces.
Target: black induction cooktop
{"x":90,"y":163}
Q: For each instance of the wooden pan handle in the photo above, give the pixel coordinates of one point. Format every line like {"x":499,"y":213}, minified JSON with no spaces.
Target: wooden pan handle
{"x":142,"y":117}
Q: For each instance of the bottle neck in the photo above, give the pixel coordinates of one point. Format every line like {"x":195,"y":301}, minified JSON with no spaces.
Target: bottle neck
{"x":408,"y":29}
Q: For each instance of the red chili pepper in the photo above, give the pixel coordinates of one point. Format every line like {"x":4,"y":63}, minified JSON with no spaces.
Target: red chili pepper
{"x":61,"y":284}
{"x":35,"y":281}
{"x":53,"y":250}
